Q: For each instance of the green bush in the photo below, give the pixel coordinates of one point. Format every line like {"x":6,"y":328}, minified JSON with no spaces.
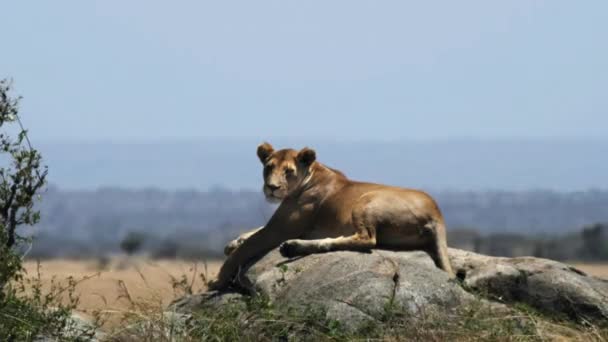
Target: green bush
{"x":25,"y":311}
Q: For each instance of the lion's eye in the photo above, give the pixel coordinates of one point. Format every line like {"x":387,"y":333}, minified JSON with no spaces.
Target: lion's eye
{"x":268,"y":168}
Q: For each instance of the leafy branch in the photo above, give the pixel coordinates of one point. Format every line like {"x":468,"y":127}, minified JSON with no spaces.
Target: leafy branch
{"x":21,"y":178}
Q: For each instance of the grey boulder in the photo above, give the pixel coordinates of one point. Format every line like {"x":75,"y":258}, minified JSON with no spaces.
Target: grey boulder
{"x":355,"y":288}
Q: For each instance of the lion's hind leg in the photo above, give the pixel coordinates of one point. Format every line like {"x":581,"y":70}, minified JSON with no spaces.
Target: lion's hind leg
{"x":292,"y":248}
{"x":363,"y":240}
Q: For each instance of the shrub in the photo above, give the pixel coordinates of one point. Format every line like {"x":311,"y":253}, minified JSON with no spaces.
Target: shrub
{"x":24,"y":315}
{"x":132,"y":242}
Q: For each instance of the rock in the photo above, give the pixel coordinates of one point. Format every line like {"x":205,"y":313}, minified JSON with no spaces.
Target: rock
{"x":351,"y":287}
{"x":77,"y":328}
{"x":355,"y":288}
{"x":549,"y":286}
{"x":211,"y":299}
{"x":356,"y":285}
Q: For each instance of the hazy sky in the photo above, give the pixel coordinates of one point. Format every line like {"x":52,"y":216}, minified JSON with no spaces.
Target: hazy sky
{"x":150,"y":70}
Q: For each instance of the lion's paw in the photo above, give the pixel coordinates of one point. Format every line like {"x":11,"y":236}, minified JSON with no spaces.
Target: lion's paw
{"x":216,"y":284}
{"x":289,"y":249}
{"x":231,"y":247}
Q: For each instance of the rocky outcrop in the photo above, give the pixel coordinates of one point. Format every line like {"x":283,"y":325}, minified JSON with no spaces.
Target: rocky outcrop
{"x":354,"y":288}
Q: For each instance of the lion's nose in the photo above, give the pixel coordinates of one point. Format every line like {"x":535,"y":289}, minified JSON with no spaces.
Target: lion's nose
{"x":272,"y":187}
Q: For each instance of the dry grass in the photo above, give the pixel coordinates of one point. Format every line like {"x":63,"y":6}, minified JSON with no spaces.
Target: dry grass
{"x":123,"y":286}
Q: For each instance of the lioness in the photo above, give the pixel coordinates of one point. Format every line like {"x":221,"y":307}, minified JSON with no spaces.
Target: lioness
{"x":321,"y":211}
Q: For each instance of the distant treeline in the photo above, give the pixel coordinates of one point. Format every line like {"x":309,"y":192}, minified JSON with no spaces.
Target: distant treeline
{"x":189,"y":223}
{"x":587,"y":244}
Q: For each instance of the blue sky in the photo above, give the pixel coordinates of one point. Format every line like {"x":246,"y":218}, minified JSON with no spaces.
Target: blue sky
{"x":345,"y":70}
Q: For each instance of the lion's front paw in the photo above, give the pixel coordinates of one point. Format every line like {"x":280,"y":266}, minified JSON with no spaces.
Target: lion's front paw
{"x":216,"y":284}
{"x":290,"y":249}
{"x":231,"y":246}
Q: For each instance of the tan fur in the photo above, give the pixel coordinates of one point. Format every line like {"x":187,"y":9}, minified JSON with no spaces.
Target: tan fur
{"x":321,"y":211}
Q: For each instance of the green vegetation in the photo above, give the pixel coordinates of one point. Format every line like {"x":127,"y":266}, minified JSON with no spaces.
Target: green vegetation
{"x":256,"y":319}
{"x":25,"y":315}
{"x":19,"y":183}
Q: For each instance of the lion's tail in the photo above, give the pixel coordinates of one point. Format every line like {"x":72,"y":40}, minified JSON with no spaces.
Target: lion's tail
{"x":441,"y":249}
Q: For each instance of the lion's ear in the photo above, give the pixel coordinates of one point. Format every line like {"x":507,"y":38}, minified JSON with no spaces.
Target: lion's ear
{"x":307,"y":156}
{"x":264,"y":151}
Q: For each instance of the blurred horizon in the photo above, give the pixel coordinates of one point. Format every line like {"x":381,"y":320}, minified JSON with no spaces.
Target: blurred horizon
{"x":564,"y":165}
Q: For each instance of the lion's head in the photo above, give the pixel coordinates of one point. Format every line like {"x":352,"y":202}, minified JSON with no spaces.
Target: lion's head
{"x":284,"y":170}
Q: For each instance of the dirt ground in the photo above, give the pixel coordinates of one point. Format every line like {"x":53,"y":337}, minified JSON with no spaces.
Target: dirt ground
{"x":139,"y":286}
